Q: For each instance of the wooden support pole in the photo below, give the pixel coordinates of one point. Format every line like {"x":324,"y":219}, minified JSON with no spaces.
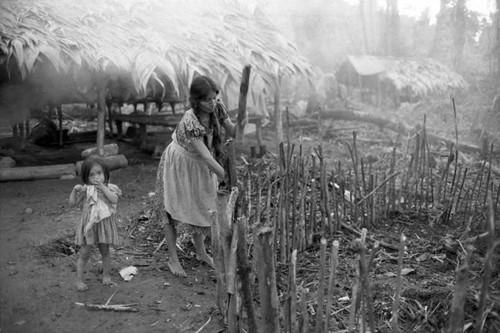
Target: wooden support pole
{"x":60,"y":117}
{"x":101,"y":115}
{"x":242,"y":103}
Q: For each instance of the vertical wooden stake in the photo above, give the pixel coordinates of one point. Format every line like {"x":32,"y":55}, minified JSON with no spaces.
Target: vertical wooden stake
{"x":266,"y":270}
{"x":242,"y":103}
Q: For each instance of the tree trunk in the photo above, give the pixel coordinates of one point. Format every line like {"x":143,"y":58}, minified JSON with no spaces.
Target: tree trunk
{"x":440,"y":29}
{"x":363,"y":25}
{"x":459,"y":34}
{"x":496,"y":47}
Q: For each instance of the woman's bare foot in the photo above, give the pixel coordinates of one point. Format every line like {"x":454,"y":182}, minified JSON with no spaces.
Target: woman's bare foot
{"x":81,"y":286}
{"x":206,"y":258}
{"x":106,"y":280}
{"x":176,"y":269}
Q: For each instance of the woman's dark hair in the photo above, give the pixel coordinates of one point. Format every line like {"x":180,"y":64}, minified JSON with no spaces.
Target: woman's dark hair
{"x":88,"y":163}
{"x":201,"y":88}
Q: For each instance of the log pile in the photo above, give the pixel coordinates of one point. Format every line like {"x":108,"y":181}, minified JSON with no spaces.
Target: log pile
{"x":62,"y":171}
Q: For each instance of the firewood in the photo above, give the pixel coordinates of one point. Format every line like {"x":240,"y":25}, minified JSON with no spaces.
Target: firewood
{"x":109,"y":150}
{"x":37,"y":172}
{"x":114,"y":307}
{"x":113,"y":163}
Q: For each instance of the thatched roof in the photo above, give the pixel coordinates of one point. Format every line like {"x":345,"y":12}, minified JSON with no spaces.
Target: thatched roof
{"x":421,"y":76}
{"x":143,"y":44}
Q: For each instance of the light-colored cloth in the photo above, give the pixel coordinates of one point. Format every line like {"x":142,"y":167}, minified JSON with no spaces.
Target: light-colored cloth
{"x":189,"y":186}
{"x":99,"y":209}
{"x":98,"y":223}
{"x":186,"y":190}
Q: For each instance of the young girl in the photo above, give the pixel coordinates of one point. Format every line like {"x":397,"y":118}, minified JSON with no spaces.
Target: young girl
{"x":97,"y":225}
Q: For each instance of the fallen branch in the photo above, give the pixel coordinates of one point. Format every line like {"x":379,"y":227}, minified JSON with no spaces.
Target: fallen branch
{"x":399,"y":127}
{"x":202,"y":327}
{"x":376,"y":188}
{"x":114,"y":307}
{"x":357,"y":233}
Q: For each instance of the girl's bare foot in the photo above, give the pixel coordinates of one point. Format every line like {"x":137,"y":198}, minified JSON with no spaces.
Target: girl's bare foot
{"x":206,"y":258}
{"x":176,"y":269}
{"x":81,"y":286}
{"x":107,"y":281}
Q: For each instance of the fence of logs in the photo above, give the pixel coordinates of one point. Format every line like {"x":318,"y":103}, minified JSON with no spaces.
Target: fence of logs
{"x":281,"y":207}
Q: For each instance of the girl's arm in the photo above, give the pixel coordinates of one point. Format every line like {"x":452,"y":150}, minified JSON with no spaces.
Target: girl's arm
{"x":75,"y":197}
{"x":112,"y":197}
{"x":211,"y":162}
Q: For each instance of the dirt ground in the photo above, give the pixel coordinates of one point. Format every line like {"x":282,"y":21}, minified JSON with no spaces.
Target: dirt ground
{"x":37,"y":255}
{"x":37,"y":260}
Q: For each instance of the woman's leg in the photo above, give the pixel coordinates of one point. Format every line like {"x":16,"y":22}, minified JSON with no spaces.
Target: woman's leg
{"x":106,"y":264}
{"x":173,"y":262}
{"x":201,"y":253}
{"x":83,"y":257}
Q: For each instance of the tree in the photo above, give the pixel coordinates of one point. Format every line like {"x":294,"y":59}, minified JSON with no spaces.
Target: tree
{"x":459,"y":33}
{"x":496,"y":48}
{"x":391,"y":38}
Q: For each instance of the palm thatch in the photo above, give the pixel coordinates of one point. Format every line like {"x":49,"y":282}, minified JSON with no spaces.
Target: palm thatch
{"x":419,"y":77}
{"x":61,"y":45}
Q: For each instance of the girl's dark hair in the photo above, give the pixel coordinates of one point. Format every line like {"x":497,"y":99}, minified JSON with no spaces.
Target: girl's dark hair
{"x":88,"y":163}
{"x":201,"y":88}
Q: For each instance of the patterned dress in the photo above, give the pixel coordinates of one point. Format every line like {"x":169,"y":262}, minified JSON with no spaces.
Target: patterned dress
{"x":186,"y":190}
{"x":104,"y":231}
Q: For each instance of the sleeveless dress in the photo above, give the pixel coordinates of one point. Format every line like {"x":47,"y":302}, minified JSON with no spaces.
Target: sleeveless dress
{"x":98,"y":221}
{"x":186,"y":190}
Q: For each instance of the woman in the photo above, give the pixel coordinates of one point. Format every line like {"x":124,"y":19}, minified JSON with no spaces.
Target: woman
{"x":186,"y":184}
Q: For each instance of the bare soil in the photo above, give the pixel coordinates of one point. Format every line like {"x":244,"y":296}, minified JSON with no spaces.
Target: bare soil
{"x":38,"y":259}
{"x":37,"y":255}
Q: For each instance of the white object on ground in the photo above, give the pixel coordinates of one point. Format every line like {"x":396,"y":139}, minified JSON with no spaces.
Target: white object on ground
{"x":128,"y":273}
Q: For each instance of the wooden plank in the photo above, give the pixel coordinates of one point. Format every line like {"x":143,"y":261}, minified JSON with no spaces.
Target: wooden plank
{"x":169,"y":120}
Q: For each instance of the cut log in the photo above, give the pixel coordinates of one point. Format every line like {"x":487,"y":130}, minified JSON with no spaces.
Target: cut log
{"x":113,"y":163}
{"x":37,"y":172}
{"x":399,"y":127}
{"x":7,"y":162}
{"x":109,"y":150}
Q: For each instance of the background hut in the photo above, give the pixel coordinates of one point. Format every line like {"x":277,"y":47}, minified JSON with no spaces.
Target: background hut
{"x":392,"y":80}
{"x":56,"y":52}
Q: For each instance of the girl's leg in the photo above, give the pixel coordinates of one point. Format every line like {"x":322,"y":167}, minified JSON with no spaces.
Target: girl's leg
{"x":173,"y":262}
{"x":201,"y":253}
{"x":106,"y":263}
{"x":83,"y":257}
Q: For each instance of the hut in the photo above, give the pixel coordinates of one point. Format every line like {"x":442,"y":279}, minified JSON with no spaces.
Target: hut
{"x":389,"y":81}
{"x":66,"y":51}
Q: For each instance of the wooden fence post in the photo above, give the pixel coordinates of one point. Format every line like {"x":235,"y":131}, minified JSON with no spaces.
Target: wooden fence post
{"x":266,"y":271}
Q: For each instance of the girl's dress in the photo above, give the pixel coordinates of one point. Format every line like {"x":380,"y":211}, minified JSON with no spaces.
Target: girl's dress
{"x":186,"y":190}
{"x":98,"y":221}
